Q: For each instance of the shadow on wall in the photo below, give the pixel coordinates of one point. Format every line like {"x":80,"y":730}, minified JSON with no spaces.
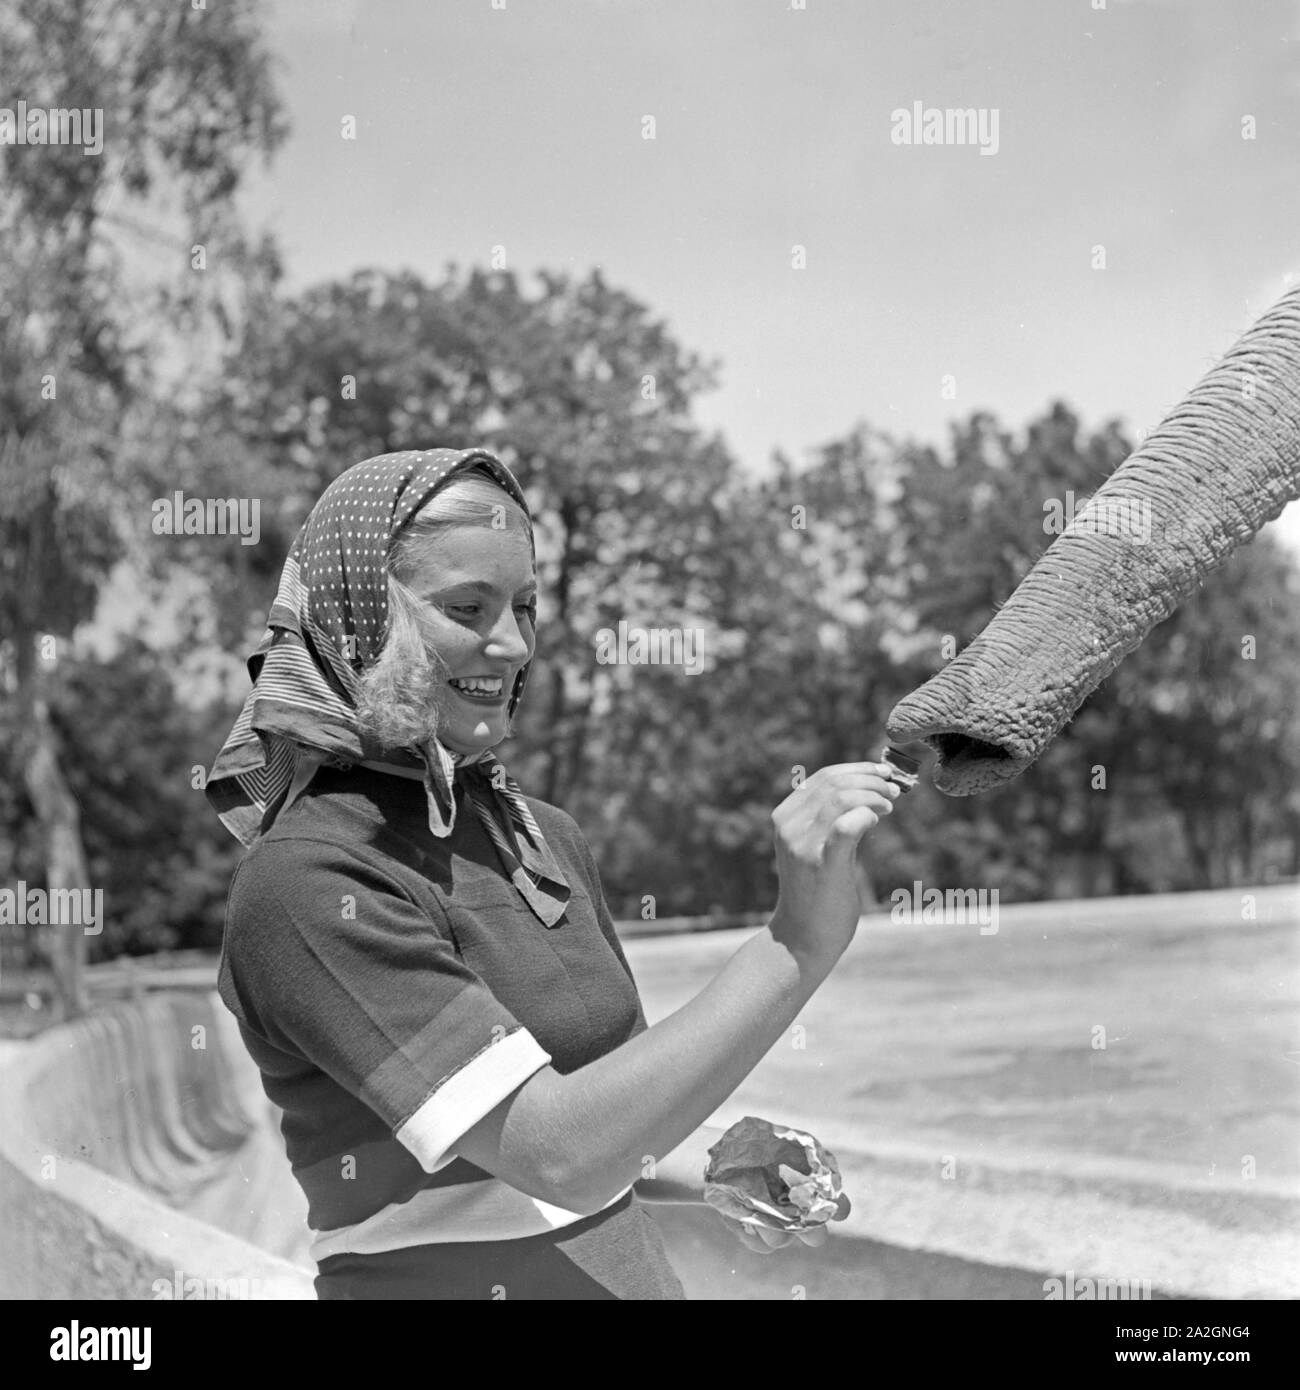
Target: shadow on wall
{"x":139,"y":1159}
{"x":712,"y":1264}
{"x":125,"y":1146}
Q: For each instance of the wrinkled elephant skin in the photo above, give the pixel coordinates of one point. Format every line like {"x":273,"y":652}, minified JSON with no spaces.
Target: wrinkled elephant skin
{"x":1221,"y":465}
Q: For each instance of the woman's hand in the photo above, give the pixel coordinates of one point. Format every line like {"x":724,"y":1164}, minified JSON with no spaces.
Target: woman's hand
{"x":817,"y":829}
{"x":762,"y":1240}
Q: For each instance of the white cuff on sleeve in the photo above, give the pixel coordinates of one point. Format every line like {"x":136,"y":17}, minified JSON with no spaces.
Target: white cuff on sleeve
{"x":462,"y":1101}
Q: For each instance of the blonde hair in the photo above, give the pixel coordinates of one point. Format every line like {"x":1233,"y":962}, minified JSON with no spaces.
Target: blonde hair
{"x":397,"y":700}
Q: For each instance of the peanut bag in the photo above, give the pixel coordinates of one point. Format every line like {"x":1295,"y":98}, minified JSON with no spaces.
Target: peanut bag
{"x":775,"y":1176}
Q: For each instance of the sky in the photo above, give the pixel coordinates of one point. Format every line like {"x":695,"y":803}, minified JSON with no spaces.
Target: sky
{"x":1119,"y":124}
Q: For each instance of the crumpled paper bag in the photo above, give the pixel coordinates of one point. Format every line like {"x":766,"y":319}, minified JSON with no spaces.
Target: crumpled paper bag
{"x":771,"y":1175}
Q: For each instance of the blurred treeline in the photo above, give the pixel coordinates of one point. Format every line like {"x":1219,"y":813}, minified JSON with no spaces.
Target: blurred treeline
{"x":826,"y":587}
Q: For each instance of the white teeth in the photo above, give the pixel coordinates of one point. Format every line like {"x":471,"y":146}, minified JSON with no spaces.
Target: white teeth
{"x":480,"y":685}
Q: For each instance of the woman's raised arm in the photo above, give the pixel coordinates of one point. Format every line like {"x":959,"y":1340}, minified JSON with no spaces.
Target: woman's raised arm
{"x":579,"y":1140}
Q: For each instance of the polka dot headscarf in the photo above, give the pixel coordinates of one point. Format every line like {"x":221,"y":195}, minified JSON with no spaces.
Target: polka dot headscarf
{"x":328,"y":623}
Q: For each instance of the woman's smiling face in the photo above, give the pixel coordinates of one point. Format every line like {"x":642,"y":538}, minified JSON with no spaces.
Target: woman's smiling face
{"x":480,"y":589}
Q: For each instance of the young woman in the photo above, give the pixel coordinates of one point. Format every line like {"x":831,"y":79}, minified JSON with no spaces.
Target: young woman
{"x":421,"y":959}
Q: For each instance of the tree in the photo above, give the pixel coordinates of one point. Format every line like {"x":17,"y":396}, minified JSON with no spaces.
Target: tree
{"x":577,"y":387}
{"x":186,"y":99}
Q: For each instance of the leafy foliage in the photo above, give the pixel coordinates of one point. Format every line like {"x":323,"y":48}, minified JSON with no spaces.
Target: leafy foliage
{"x":821,"y":591}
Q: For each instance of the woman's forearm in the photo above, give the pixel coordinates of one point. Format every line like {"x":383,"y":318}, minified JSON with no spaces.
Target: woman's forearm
{"x":584,"y":1137}
{"x":678,"y":1177}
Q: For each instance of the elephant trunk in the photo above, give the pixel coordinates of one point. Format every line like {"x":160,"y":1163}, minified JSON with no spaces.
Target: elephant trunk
{"x":1221,"y":465}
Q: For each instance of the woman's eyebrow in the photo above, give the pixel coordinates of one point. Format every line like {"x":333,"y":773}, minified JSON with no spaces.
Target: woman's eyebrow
{"x":482,"y":586}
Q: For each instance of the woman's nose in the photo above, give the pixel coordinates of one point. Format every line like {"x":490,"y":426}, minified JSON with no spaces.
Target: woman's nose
{"x":510,"y":638}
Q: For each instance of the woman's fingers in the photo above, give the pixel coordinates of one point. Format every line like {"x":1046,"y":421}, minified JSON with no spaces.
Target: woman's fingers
{"x":762,"y":1240}
{"x":852,"y":826}
{"x":750,"y":1240}
{"x":774,"y":1239}
{"x":856,"y":770}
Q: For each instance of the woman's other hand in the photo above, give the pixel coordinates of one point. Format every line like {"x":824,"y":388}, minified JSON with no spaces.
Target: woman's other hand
{"x":816,"y":830}
{"x":762,"y":1240}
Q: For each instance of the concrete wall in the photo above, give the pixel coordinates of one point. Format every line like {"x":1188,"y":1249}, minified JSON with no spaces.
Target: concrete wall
{"x":139,"y":1159}
{"x":138,"y":1152}
{"x":113,"y":1128}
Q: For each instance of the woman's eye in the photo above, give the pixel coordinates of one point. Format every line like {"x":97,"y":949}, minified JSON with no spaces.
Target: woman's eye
{"x":471,"y":612}
{"x":462,"y":610}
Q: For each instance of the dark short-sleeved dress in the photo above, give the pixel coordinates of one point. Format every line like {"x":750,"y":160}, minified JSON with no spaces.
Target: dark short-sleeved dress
{"x":393,"y":988}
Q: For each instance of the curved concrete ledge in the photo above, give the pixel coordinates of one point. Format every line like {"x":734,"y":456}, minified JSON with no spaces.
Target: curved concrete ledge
{"x":138,"y":1151}
{"x":1133,"y":1222}
{"x":953,"y":1076}
{"x":110,"y":1125}
{"x":1002,"y":1229}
